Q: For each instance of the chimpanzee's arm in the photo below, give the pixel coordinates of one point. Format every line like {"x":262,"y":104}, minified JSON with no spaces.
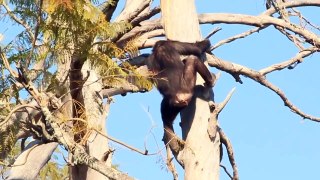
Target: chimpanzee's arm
{"x":207,"y":76}
{"x":184,"y":48}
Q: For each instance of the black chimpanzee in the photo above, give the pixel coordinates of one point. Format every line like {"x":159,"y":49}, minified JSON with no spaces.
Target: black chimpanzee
{"x":176,"y":79}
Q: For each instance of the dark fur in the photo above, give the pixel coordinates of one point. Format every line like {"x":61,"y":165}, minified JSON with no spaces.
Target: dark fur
{"x":176,"y":79}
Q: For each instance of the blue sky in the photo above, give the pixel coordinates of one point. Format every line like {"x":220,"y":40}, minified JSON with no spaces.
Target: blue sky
{"x":270,"y":142}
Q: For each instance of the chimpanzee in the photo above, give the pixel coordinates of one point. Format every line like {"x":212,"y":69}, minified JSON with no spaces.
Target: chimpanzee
{"x":176,"y":79}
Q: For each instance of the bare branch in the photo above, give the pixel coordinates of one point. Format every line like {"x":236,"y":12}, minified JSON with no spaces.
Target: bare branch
{"x":170,"y":164}
{"x":146,"y":26}
{"x":233,"y":38}
{"x":269,"y":12}
{"x":132,"y":10}
{"x":221,"y":105}
{"x":214,"y":31}
{"x":259,"y":21}
{"x":146,"y":41}
{"x":297,"y":59}
{"x":225,"y":141}
{"x":145,"y":16}
{"x":123,"y":90}
{"x":290,"y":4}
{"x":233,"y":68}
{"x":122,"y":143}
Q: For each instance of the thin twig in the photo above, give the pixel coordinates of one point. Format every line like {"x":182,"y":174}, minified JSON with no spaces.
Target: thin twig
{"x":170,"y":164}
{"x":226,"y":171}
{"x":236,"y":37}
{"x":122,"y":143}
{"x":214,"y":31}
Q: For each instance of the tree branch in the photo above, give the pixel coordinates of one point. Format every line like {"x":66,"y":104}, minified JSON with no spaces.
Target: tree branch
{"x":145,"y":16}
{"x":226,"y":142}
{"x":31,"y":160}
{"x":297,"y":59}
{"x":259,"y":21}
{"x":259,"y":77}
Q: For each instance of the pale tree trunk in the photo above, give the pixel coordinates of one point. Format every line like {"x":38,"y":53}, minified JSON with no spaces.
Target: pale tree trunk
{"x":201,"y":154}
{"x":97,"y":145}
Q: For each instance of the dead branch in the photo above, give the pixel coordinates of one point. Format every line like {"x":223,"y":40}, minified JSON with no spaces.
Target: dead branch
{"x":132,"y":9}
{"x":259,"y":21}
{"x":221,"y":105}
{"x":236,"y":37}
{"x":122,"y":143}
{"x":259,"y":77}
{"x":170,"y":164}
{"x":213,"y":120}
{"x":123,"y":90}
{"x":286,"y":64}
{"x":214,"y":31}
{"x":145,"y":16}
{"x":269,"y":12}
{"x":226,"y":142}
{"x":146,"y":26}
{"x":291,"y":4}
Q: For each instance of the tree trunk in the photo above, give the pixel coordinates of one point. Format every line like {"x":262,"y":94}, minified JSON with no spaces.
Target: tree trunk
{"x":96,"y":144}
{"x":201,"y":155}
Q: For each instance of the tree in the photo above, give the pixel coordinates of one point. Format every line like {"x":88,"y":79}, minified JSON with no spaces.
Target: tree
{"x":71,"y":58}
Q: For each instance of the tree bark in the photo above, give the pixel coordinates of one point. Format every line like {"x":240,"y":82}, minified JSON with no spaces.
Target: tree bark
{"x":96,"y":145}
{"x":201,"y":154}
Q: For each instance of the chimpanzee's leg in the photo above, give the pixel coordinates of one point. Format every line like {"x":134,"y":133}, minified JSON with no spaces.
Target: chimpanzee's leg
{"x":168,"y":113}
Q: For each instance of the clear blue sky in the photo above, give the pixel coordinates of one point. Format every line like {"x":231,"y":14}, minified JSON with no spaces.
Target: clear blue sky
{"x":270,"y":142}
